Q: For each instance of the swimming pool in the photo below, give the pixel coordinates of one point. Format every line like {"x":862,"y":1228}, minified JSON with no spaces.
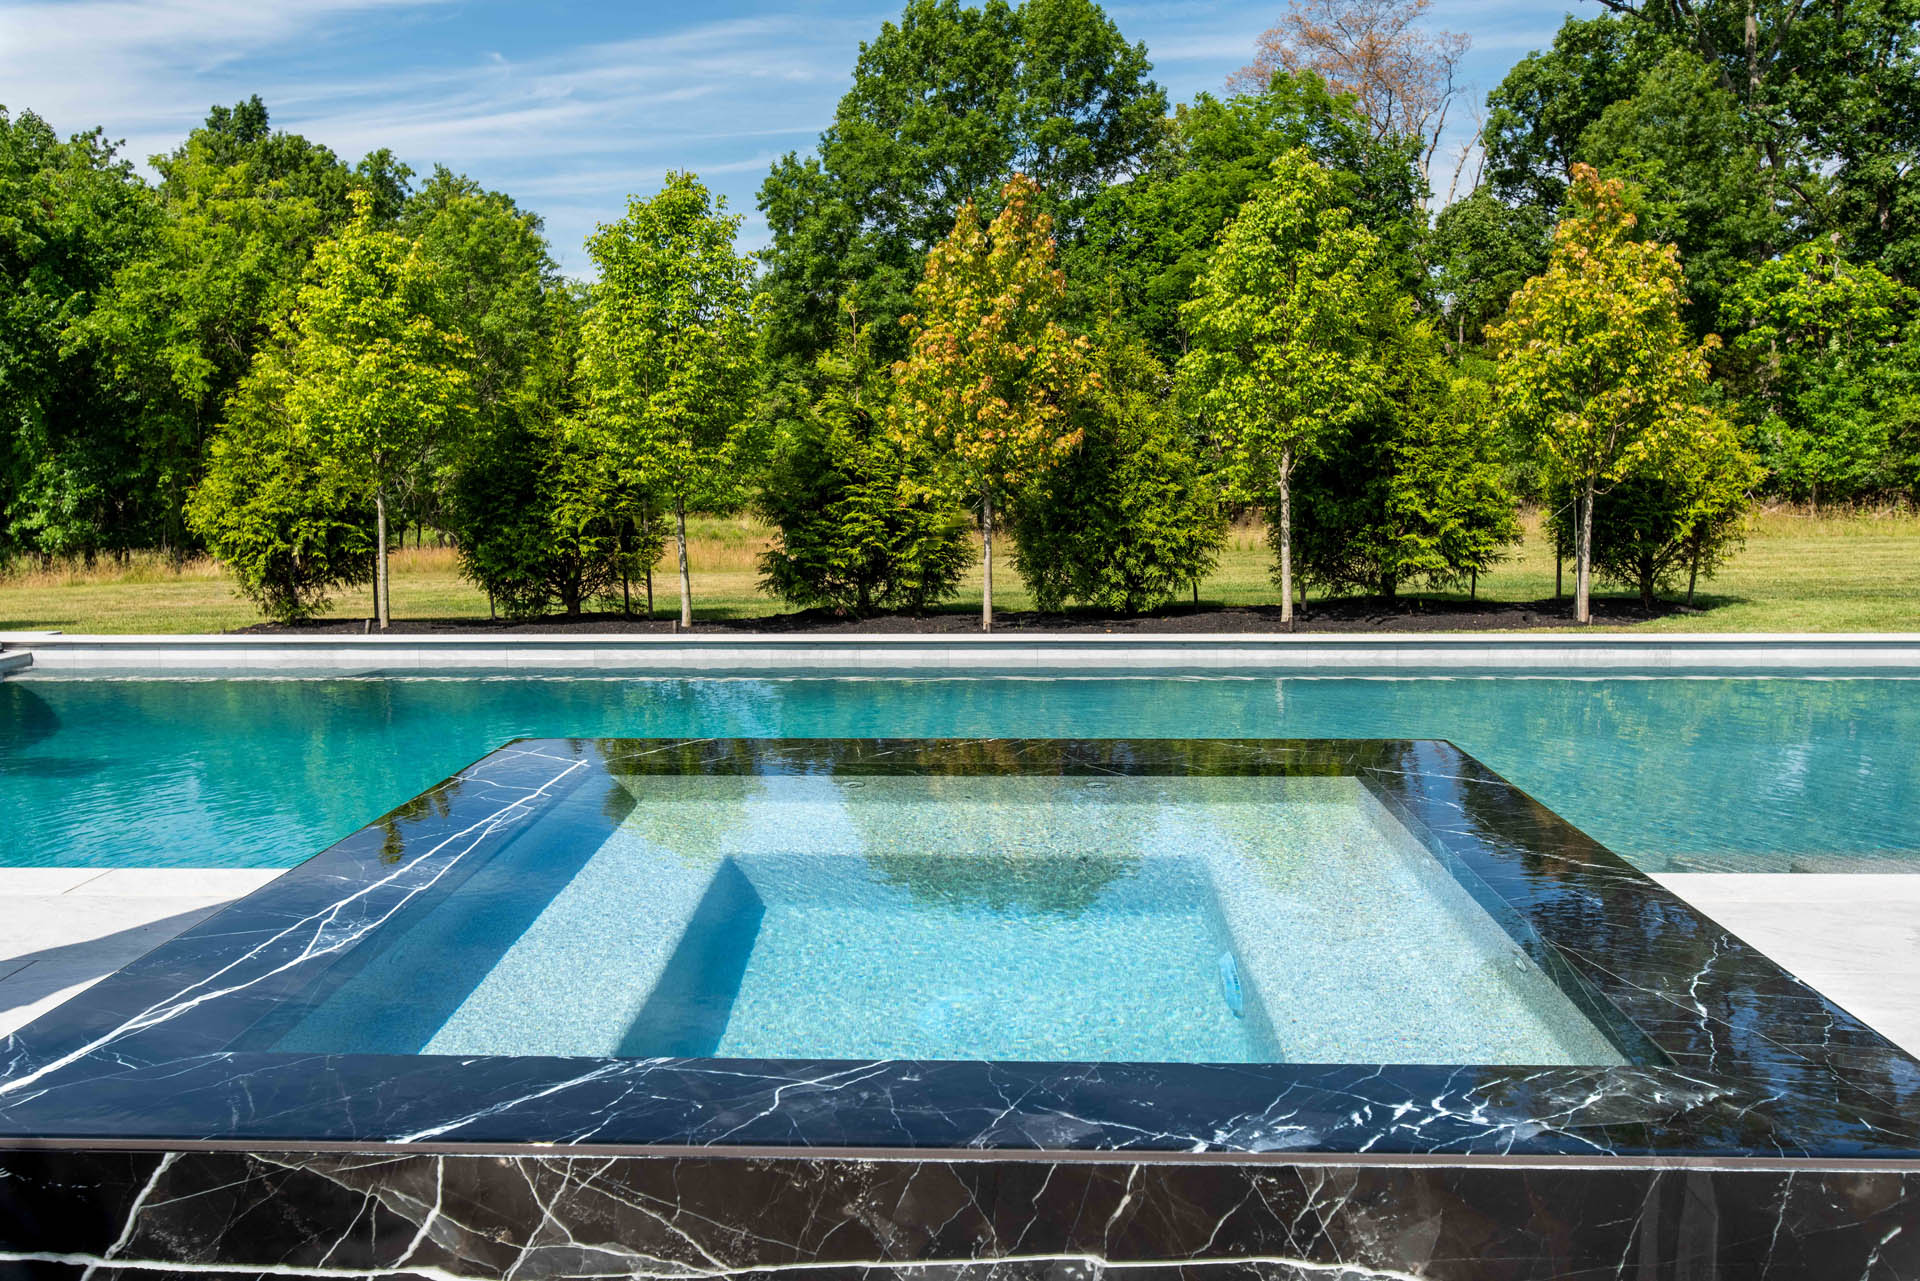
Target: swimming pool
{"x":768,"y":905}
{"x":1742,"y":774}
{"x":578,"y":993}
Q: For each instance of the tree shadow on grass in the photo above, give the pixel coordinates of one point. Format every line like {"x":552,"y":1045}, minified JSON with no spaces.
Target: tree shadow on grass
{"x":1411,"y":612}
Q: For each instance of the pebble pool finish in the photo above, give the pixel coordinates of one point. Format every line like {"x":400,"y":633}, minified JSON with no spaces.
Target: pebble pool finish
{"x":1743,"y":1126}
{"x":1756,"y":774}
{"x":804,"y":916}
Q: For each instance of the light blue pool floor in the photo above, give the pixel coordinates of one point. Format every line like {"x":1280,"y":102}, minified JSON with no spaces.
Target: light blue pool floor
{"x":1137,"y":919}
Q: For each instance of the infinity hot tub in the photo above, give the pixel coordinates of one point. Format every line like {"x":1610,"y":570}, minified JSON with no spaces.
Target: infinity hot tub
{"x":611,"y":1007}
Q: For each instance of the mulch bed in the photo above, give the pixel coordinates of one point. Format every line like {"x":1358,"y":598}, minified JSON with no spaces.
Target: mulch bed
{"x":1349,"y":614}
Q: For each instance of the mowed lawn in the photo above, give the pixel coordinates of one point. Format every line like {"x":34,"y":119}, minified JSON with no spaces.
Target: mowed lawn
{"x":1797,"y":573}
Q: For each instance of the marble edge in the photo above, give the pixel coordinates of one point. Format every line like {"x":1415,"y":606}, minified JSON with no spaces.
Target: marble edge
{"x":1352,"y":757}
{"x":1278,"y":1159}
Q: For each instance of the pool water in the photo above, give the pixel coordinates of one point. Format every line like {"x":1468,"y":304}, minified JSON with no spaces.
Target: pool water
{"x":1024,"y":918}
{"x":1751,"y":774}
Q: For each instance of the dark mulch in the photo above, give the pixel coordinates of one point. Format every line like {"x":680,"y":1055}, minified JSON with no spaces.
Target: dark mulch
{"x":1350,"y":614}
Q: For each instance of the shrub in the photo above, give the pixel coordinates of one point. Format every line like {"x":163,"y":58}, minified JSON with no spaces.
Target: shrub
{"x":859,"y":526}
{"x":1128,"y":518}
{"x":291,"y":525}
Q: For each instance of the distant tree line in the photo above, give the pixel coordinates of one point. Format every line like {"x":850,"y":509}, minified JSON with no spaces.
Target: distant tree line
{"x":1011,"y":291}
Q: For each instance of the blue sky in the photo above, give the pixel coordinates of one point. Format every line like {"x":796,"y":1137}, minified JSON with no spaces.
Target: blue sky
{"x":569,"y":106}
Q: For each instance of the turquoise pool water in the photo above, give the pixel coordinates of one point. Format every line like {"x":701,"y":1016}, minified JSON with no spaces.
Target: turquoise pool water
{"x":1037,"y":919}
{"x":1676,"y":774}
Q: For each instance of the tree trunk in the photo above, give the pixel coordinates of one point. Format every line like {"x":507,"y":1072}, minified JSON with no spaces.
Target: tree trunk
{"x":1473,"y":583}
{"x":626,"y":585}
{"x":1389,"y":585}
{"x":1286,"y":536}
{"x":646,"y":523}
{"x":1693,"y":570}
{"x":686,"y":579}
{"x":1559,"y":562}
{"x":986,"y":560}
{"x":1583,"y":560}
{"x":380,"y":613}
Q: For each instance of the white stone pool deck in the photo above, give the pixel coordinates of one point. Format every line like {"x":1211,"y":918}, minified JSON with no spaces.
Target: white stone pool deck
{"x":63,"y":929}
{"x":1855,"y":936}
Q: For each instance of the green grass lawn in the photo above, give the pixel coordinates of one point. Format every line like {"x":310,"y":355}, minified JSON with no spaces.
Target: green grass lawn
{"x":1797,"y":573}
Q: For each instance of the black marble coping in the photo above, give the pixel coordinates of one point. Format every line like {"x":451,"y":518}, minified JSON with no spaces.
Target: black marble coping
{"x":1729,"y":1057}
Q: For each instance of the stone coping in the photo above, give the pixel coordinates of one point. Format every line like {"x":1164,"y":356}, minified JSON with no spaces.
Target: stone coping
{"x":1008,"y":652}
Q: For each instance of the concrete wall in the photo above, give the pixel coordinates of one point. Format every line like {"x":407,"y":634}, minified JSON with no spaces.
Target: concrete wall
{"x":1013,"y":652}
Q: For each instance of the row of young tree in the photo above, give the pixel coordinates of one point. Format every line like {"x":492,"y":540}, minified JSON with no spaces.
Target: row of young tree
{"x":1012,"y":291}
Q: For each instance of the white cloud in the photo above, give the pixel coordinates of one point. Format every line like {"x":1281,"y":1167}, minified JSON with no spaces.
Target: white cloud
{"x":571,"y":128}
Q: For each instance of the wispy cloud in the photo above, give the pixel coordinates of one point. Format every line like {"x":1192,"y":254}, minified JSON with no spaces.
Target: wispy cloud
{"x":569,"y":105}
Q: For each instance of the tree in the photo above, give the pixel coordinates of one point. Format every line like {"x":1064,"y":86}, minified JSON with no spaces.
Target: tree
{"x":1684,"y":509}
{"x":1822,"y":354}
{"x":372,"y":382}
{"x":1597,"y":370}
{"x":860,"y":526}
{"x":73,"y":476}
{"x":540,"y":518}
{"x":1149,"y":239}
{"x":991,"y":375}
{"x":1682,"y":141}
{"x":1538,"y":114}
{"x":1286,"y":323}
{"x":1128,"y":518}
{"x":667,"y":353}
{"x":242,"y":209}
{"x":496,"y":285}
{"x":1830,"y":94}
{"x":1481,"y":250}
{"x":947,"y":104}
{"x":1416,"y":489}
{"x":288,"y":520}
{"x":1402,"y":77}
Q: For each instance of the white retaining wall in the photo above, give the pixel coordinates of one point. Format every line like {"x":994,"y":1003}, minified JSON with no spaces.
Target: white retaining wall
{"x":1008,"y":652}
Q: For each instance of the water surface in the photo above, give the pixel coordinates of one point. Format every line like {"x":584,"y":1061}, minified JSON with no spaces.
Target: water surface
{"x":1748,"y":774}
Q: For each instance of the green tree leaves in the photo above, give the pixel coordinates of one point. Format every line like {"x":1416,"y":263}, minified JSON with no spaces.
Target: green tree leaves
{"x":667,"y":353}
{"x":1825,"y":354}
{"x":947,"y":104}
{"x":365,"y":379}
{"x":860,"y":526}
{"x":1597,"y":371}
{"x":1287,"y":326}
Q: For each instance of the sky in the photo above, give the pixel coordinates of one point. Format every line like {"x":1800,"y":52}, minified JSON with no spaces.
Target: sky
{"x":569,"y":106}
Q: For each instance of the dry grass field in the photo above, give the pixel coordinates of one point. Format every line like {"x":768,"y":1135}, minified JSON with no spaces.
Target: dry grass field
{"x":1798,"y":572}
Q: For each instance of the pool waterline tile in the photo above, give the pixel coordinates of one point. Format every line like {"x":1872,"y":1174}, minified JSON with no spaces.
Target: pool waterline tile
{"x":1727,"y":1055}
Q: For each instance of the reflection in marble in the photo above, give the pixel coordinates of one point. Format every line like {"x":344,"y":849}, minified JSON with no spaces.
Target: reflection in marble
{"x":1754,"y":1129}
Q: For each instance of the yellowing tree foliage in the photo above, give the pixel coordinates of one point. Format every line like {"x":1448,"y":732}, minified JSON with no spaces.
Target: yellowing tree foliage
{"x":991,"y":375}
{"x":1597,"y":368}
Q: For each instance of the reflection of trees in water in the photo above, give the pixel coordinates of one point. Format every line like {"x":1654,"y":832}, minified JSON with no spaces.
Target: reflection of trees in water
{"x":433,"y":805}
{"x":1012,"y":883}
{"x":25,"y":718}
{"x":1044,"y":845}
{"x":690,"y":799}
